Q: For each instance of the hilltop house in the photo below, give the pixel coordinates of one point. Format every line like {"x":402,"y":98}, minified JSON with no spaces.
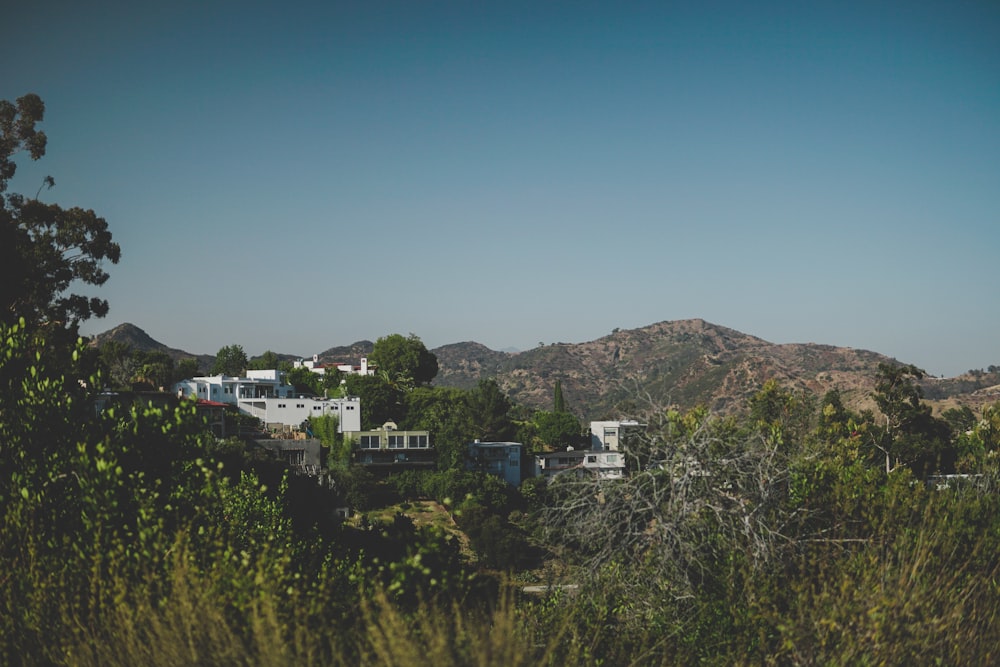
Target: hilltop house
{"x":348,"y":369}
{"x":264,"y":394}
{"x":502,"y":459}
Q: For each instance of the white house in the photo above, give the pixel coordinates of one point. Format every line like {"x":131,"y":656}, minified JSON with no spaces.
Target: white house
{"x":608,"y":436}
{"x":349,"y":369}
{"x":264,"y":394}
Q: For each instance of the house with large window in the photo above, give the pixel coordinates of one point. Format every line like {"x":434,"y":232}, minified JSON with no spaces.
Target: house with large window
{"x":502,"y":459}
{"x":387,"y":450}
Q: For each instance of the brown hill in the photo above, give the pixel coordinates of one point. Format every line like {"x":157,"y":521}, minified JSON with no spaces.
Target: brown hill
{"x":681,"y":363}
{"x":137,"y":339}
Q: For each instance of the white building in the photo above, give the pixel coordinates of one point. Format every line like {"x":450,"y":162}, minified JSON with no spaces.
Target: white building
{"x":608,"y":436}
{"x":266,"y":396}
{"x":348,"y":369}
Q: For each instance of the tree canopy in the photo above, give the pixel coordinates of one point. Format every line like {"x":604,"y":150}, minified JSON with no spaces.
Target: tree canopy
{"x":404,"y":358}
{"x":45,"y":248}
{"x":231,"y":360}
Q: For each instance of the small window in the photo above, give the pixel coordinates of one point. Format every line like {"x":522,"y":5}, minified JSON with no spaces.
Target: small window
{"x":591,"y":459}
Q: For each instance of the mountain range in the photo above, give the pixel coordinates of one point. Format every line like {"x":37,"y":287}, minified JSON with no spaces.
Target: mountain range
{"x":678,"y":364}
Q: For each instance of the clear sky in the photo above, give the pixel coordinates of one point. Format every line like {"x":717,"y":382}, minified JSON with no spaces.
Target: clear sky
{"x":302,"y":175}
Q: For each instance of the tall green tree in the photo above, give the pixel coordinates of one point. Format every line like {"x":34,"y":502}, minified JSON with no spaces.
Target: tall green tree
{"x":185,"y":369}
{"x":910,"y":434}
{"x":404,"y":358}
{"x":489,"y":412}
{"x":44,"y":248}
{"x":267,"y":361}
{"x":558,"y":402}
{"x":558,"y":430}
{"x":380,"y":401}
{"x":231,"y":360}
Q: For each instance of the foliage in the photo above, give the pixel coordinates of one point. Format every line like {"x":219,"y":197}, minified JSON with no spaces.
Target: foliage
{"x":404,"y":358}
{"x":268,"y":361}
{"x":382,"y":402}
{"x":558,"y":402}
{"x":489,"y":413}
{"x":44,"y":248}
{"x":305,"y":381}
{"x":558,"y":430}
{"x":911,"y":435}
{"x":231,"y":360}
{"x":339,"y":448}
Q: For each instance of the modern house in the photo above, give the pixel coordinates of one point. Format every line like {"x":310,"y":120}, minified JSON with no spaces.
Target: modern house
{"x":609,"y":436}
{"x":502,"y":459}
{"x":603,"y":465}
{"x":266,"y":396}
{"x":389,"y":450}
{"x":320,"y":369}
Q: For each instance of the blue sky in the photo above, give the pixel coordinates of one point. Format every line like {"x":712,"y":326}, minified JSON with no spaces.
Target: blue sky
{"x":306,"y":175}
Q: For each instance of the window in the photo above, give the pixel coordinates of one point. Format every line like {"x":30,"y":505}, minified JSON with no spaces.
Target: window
{"x":295,"y":457}
{"x":281,"y":405}
{"x":370,"y":442}
{"x":317,"y":407}
{"x":612,"y":458}
{"x":300,"y":405}
{"x":396,"y":442}
{"x":591,"y":459}
{"x":418,"y":441}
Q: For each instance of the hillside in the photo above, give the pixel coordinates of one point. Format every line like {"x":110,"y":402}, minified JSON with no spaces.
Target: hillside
{"x":137,"y":339}
{"x":680,"y":363}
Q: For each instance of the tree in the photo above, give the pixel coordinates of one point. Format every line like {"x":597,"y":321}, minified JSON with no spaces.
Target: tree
{"x":489,"y":412}
{"x":558,"y":403}
{"x":380,"y":401}
{"x":267,"y":361}
{"x":185,"y":369}
{"x":404,"y":357}
{"x":557,"y":429}
{"x":305,"y":381}
{"x":45,"y":248}
{"x":119,"y":363}
{"x":444,"y":412}
{"x":231,"y":360}
{"x":156,"y":368}
{"x":911,"y":435}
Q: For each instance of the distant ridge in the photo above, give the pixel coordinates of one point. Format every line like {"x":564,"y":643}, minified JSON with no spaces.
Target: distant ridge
{"x":137,"y":339}
{"x":680,"y":364}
